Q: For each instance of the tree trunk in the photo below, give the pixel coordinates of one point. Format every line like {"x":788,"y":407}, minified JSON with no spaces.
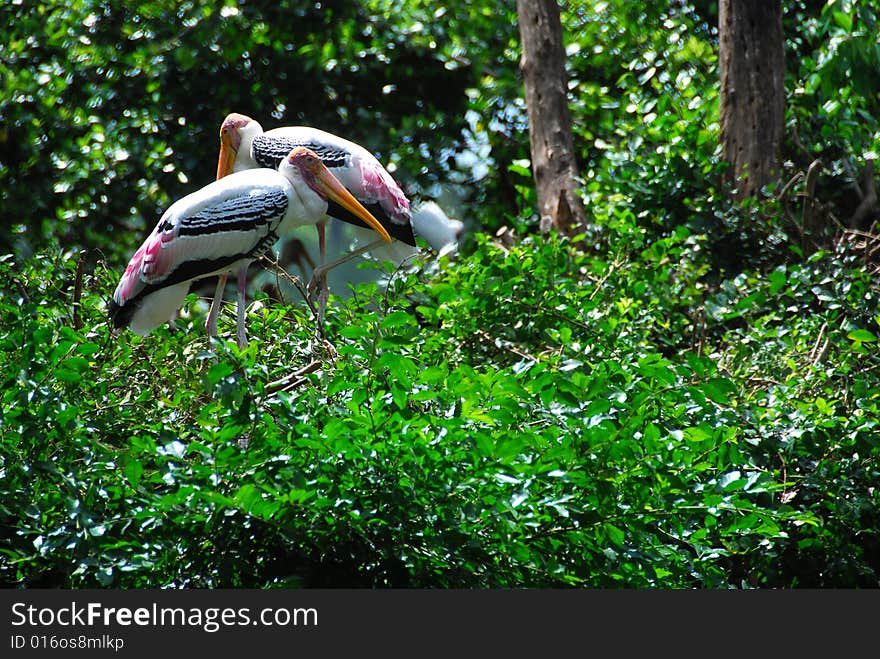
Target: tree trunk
{"x":552,"y":144}
{"x":752,"y":104}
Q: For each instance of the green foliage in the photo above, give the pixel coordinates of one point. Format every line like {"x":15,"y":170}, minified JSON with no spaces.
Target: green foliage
{"x":833,"y":112}
{"x":594,"y":442}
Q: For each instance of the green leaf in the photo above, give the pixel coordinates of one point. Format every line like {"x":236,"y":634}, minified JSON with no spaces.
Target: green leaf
{"x":397,"y":319}
{"x":730,"y":481}
{"x":521,"y":167}
{"x":843,"y":20}
{"x":354,"y":332}
{"x":76,"y":364}
{"x":399,"y":395}
{"x":298,"y":496}
{"x":615,"y":535}
{"x":777,"y":280}
{"x":217,"y":372}
{"x":719,"y":390}
{"x":696,"y":434}
{"x":66,"y":375}
{"x":132,"y":468}
{"x":87,"y":349}
{"x":862,"y":335}
{"x":432,"y":375}
{"x":248,"y":496}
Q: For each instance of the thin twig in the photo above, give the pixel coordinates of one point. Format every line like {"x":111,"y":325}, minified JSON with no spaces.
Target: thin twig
{"x":280,"y":271}
{"x":617,"y":263}
{"x":297,"y":282}
{"x":815,"y":352}
{"x":811,"y":211}
{"x":782,"y":197}
{"x":864,"y":234}
{"x":785,"y":495}
{"x":295,"y":379}
{"x":504,"y":345}
{"x":763,"y":380}
{"x":77,"y":289}
{"x":821,"y":354}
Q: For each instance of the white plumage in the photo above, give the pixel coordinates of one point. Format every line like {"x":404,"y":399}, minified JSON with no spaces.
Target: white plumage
{"x":221,"y":228}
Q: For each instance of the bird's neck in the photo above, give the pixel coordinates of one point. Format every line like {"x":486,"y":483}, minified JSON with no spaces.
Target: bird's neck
{"x":306,"y":207}
{"x":245,"y":157}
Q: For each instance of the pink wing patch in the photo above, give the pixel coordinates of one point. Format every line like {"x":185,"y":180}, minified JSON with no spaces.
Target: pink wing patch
{"x":151,"y":262}
{"x":378,"y":185}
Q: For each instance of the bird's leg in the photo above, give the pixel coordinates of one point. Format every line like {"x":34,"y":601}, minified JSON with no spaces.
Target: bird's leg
{"x":323,"y":296}
{"x":319,"y":282}
{"x":242,"y":301}
{"x":211,"y":322}
{"x":322,"y":241}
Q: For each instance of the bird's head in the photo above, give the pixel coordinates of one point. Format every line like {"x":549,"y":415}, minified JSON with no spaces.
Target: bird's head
{"x":303,"y":164}
{"x":308,"y":163}
{"x":236,"y":132}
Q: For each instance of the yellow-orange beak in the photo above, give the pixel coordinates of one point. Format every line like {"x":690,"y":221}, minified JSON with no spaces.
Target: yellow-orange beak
{"x":228,"y":153}
{"x":333,"y":189}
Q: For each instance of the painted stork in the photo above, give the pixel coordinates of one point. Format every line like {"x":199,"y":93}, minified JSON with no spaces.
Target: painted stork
{"x":221,"y":229}
{"x":244,"y":145}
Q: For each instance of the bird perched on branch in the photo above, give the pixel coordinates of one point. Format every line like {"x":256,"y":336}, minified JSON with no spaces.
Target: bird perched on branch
{"x":221,"y":229}
{"x":244,"y":145}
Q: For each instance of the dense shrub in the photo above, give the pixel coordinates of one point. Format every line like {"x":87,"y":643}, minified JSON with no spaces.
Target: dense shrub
{"x":528,"y":415}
